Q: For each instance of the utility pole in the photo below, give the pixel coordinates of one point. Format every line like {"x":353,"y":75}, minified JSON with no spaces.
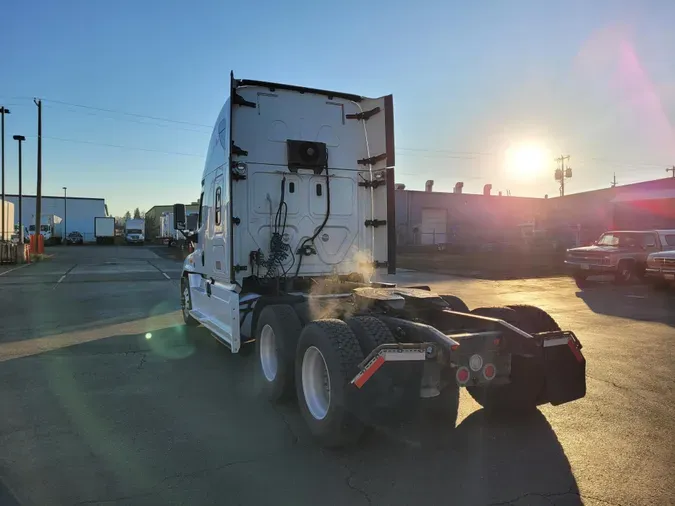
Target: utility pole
{"x":3,"y":111}
{"x":614,"y":181}
{"x":20,"y":139}
{"x":38,"y":196}
{"x":672,"y":169}
{"x":562,"y":173}
{"x":65,"y":214}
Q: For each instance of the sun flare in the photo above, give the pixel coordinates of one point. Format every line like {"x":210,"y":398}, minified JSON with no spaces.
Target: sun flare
{"x":527,"y":160}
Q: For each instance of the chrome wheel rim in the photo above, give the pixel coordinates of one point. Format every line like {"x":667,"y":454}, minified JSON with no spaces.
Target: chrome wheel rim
{"x":316,"y":383}
{"x":186,"y":301}
{"x":268,"y":353}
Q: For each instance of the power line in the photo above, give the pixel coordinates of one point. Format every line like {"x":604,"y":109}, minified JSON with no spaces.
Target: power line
{"x":135,"y":115}
{"x":130,"y":120}
{"x":120,"y":146}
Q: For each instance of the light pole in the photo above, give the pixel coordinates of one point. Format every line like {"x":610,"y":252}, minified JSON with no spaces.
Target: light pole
{"x":65,"y":214}
{"x":20,"y":139}
{"x":3,"y":111}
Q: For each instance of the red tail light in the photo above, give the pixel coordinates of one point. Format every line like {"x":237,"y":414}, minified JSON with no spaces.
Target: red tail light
{"x":489,"y":371}
{"x":462,"y":375}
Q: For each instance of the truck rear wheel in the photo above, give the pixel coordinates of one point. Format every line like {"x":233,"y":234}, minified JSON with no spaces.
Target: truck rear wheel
{"x":276,"y":336}
{"x":527,"y":376}
{"x":327,"y":358}
{"x":456,"y":304}
{"x":370,"y":332}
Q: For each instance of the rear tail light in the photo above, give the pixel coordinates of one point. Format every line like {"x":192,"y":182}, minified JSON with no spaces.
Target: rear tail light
{"x":462,"y":375}
{"x":489,"y":371}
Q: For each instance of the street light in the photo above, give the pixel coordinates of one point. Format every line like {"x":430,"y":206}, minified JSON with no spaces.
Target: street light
{"x":65,"y":214}
{"x":20,"y":139}
{"x":3,"y":111}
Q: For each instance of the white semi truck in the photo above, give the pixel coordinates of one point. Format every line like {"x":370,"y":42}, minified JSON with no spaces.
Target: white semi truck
{"x":51,"y":228}
{"x":134,"y":231}
{"x":296,"y":219}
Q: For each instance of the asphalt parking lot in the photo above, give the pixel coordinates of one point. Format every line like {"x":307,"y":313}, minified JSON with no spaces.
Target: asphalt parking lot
{"x":106,"y":399}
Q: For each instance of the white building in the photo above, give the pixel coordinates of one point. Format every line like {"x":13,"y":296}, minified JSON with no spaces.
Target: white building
{"x":77,"y":213}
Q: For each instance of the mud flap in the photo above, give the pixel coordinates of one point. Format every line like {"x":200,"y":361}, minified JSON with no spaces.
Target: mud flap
{"x":565,"y":368}
{"x":390,"y":397}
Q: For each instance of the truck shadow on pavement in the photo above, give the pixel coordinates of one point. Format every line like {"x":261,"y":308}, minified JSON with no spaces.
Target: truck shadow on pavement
{"x":636,"y":302}
{"x":140,"y":411}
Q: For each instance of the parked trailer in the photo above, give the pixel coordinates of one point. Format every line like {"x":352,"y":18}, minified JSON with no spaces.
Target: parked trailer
{"x":285,"y":268}
{"x":168,"y":233}
{"x":8,"y":211}
{"x":104,"y":229}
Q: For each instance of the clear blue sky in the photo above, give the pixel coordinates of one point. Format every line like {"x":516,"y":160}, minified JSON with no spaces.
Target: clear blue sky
{"x":592,"y":79}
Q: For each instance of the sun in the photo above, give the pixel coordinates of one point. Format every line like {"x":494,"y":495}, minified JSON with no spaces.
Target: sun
{"x":527,"y":160}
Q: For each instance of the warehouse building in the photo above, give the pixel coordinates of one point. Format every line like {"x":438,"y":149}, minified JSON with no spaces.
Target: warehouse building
{"x":77,"y":213}
{"x":153,"y":215}
{"x":638,"y":206}
{"x":427,"y":217}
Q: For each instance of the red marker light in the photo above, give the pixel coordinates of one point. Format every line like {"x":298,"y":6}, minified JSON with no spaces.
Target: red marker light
{"x":497,"y":341}
{"x":462,"y":375}
{"x":454,"y":347}
{"x":489,"y":371}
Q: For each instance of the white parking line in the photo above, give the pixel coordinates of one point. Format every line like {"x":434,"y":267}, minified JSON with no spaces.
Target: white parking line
{"x":166,"y":275}
{"x":59,"y":281}
{"x":14,"y":269}
{"x":636,"y":296}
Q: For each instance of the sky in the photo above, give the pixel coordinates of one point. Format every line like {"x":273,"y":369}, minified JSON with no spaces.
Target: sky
{"x":484,"y":92}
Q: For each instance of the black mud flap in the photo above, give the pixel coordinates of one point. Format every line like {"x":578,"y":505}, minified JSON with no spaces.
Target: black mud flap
{"x":565,"y":368}
{"x":389,"y":397}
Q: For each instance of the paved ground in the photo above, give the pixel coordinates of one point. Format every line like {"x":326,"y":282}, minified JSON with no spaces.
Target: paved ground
{"x":107,"y":400}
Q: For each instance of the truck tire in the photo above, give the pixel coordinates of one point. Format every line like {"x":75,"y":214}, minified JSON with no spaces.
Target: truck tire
{"x":625,"y":273}
{"x":186,"y":303}
{"x":370,"y":332}
{"x":327,"y":358}
{"x":456,"y":304}
{"x":276,"y":336}
{"x":527,"y":376}
{"x":581,"y":280}
{"x":533,"y":319}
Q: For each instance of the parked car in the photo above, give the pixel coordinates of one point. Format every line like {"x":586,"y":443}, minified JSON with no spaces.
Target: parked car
{"x":621,"y":253}
{"x":75,"y":238}
{"x":661,"y":269}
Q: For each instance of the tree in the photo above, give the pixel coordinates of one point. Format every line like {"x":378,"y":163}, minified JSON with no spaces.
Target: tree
{"x":137,"y":214}
{"x":127,"y":216}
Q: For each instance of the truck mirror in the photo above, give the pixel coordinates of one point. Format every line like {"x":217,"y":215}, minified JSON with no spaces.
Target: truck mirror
{"x":179,"y":216}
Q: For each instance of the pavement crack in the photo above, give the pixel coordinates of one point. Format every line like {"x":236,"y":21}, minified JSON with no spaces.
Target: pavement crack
{"x":546,"y":496}
{"x":294,"y":436}
{"x":349,"y":482}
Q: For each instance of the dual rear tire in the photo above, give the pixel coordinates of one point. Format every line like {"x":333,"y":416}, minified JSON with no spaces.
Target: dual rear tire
{"x":527,"y":387}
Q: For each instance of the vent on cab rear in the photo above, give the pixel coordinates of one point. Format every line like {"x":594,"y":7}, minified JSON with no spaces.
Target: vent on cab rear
{"x":307,"y":155}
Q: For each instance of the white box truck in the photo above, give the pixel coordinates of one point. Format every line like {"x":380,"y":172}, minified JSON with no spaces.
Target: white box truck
{"x":8,"y":208}
{"x":104,"y":229}
{"x":297,"y":213}
{"x":51,"y":229}
{"x":134,"y":231}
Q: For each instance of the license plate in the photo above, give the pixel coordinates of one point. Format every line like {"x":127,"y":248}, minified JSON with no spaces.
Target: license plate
{"x":585,"y":267}
{"x":669,"y":277}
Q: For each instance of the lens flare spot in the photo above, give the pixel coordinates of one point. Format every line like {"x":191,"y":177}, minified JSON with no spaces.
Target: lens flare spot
{"x":148,"y":335}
